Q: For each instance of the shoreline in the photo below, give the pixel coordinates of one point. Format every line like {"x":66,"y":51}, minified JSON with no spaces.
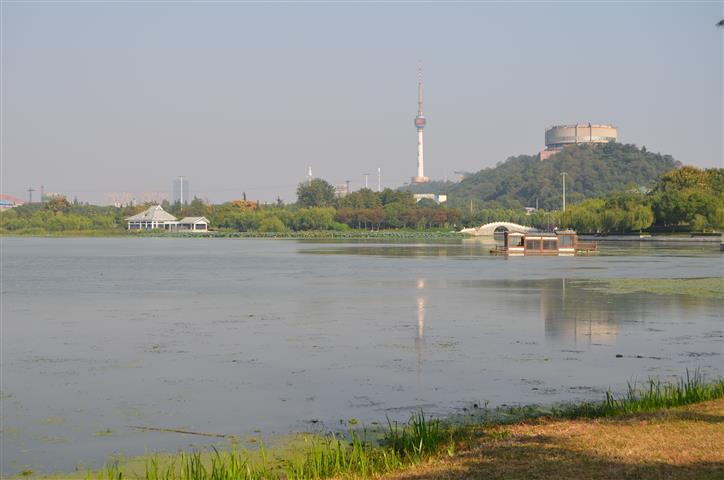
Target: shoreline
{"x":309,"y":234}
{"x":685,"y":443}
{"x":655,"y":238}
{"x":440,"y":448}
{"x":359,"y":234}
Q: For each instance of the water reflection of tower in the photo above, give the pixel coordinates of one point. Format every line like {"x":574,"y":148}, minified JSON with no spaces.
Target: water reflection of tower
{"x":420,"y":337}
{"x":575,"y":314}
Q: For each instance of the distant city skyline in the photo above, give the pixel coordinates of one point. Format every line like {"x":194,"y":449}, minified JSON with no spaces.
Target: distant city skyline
{"x":244,"y":97}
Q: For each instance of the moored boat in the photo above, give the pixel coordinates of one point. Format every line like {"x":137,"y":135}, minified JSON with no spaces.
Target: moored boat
{"x":560,"y":242}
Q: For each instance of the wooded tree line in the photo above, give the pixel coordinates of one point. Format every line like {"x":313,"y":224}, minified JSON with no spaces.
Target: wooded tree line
{"x":686,"y":198}
{"x":592,"y":171}
{"x":683,"y":199}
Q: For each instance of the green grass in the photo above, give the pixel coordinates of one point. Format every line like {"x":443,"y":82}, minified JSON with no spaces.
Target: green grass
{"x":41,"y":232}
{"x":302,"y":234}
{"x":358,"y":453}
{"x":654,"y":395}
{"x":364,"y":453}
{"x":320,"y":234}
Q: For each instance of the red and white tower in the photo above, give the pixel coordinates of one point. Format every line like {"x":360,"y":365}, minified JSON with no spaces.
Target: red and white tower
{"x":420,"y":125}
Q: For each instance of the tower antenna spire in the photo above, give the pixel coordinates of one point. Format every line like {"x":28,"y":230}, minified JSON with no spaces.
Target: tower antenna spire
{"x":419,"y":89}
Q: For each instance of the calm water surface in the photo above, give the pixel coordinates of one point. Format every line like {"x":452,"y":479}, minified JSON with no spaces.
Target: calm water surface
{"x":233,"y":336}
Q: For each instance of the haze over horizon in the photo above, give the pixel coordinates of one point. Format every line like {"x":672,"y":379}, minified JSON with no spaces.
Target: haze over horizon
{"x":244,"y":97}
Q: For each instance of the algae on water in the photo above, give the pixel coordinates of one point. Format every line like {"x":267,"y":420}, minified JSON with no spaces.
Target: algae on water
{"x":709,"y":287}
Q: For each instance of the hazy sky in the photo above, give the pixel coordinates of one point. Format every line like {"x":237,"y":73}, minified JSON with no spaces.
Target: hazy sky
{"x":243,"y":97}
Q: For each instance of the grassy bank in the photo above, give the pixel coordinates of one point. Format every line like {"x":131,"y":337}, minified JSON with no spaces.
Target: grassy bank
{"x":40,"y":232}
{"x":431,"y":448}
{"x":334,"y":234}
{"x":305,"y":234}
{"x":681,"y":443}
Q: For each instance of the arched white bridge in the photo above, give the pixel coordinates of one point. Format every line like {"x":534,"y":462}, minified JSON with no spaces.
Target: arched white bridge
{"x":489,"y":229}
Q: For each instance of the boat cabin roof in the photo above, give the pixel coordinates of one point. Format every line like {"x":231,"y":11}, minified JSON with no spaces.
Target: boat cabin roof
{"x":542,"y":234}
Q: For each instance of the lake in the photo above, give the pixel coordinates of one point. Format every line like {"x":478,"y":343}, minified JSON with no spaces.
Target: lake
{"x":237,"y":337}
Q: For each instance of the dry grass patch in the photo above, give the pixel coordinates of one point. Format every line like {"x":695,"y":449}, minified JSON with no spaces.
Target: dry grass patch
{"x":680,"y":443}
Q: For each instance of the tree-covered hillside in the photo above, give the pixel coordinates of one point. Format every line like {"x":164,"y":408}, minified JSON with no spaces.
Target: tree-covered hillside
{"x":592,"y":171}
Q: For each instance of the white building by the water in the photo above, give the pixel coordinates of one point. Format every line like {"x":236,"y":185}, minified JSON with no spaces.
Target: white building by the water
{"x":156,"y":217}
{"x":193,"y":224}
{"x":152,"y":218}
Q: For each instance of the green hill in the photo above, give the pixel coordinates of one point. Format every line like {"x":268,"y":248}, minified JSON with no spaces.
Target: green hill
{"x":592,"y":171}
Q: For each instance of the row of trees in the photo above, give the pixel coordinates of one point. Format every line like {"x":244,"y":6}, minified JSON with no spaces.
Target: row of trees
{"x":367,"y":210}
{"x":604,"y":216}
{"x":39,"y":221}
{"x":685,"y":198}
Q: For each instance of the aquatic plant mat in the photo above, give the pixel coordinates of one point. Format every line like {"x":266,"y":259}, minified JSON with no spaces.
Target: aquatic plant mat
{"x":712,"y":287}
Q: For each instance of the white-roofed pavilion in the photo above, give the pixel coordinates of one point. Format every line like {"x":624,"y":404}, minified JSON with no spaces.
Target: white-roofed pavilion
{"x":193,"y":224}
{"x":152,"y":218}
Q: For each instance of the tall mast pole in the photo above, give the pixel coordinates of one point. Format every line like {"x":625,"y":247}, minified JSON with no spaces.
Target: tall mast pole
{"x":419,"y":90}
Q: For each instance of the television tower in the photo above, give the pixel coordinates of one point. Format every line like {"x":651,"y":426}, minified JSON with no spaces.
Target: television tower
{"x":420,"y":125}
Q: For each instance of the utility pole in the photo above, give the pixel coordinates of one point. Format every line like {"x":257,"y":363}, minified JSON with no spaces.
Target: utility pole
{"x":42,"y":193}
{"x":366,"y":175}
{"x":30,"y":191}
{"x":379,"y":179}
{"x":347,"y":182}
{"x":563,"y":174}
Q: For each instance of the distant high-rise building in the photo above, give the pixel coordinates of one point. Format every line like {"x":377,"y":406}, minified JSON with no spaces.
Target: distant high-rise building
{"x":181,"y":192}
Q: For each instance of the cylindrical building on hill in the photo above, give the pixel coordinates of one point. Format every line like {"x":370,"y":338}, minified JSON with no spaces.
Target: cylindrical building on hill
{"x":559,"y":136}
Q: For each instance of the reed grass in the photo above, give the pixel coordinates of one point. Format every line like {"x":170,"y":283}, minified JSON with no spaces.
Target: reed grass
{"x":357,"y":453}
{"x":361,"y":453}
{"x":653,"y":395}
